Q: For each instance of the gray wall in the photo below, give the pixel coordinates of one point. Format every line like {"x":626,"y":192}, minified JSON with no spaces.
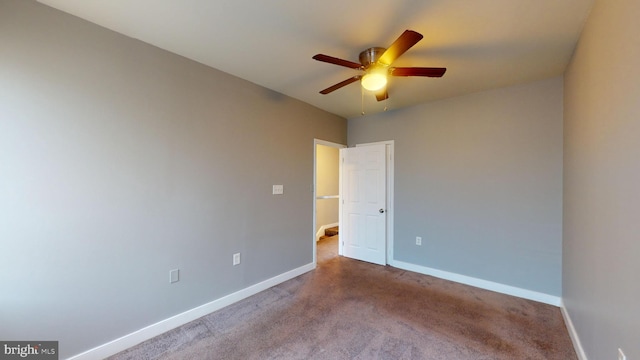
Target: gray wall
{"x":327,"y":183}
{"x":601,"y":262}
{"x":120,"y":161}
{"x":479,"y":178}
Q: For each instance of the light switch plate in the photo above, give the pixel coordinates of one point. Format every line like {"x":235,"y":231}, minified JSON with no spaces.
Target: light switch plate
{"x":174,"y":276}
{"x":278,"y":189}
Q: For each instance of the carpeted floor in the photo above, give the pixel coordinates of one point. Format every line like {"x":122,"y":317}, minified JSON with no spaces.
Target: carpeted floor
{"x":347,"y":309}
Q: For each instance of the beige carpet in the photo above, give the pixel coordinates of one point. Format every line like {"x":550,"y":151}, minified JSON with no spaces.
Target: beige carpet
{"x":347,"y":309}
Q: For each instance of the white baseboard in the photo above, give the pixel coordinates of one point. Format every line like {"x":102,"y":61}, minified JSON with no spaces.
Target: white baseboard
{"x":320,"y":231}
{"x":136,"y":337}
{"x":577,"y":345}
{"x":480,"y":283}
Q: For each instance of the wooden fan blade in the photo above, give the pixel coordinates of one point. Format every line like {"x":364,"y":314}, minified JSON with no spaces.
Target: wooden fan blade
{"x":382,"y":95}
{"x":336,"y":61}
{"x":417,"y":71}
{"x":402,"y":44}
{"x":340,"y":84}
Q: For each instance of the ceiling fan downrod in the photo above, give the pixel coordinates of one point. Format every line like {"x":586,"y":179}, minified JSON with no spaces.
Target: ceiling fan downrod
{"x":371,"y":56}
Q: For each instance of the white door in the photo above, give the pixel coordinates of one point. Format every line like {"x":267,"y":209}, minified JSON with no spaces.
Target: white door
{"x":363,"y":226}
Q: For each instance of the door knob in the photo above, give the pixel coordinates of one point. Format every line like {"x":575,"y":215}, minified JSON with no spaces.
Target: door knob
{"x":381,"y":211}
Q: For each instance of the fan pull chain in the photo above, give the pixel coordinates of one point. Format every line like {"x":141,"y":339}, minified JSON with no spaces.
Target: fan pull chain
{"x":362,"y":100}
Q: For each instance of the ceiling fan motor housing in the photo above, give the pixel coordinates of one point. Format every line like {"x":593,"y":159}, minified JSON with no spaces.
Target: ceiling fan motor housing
{"x":370,"y":56}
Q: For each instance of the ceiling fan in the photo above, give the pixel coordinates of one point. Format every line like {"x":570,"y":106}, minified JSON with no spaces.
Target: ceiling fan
{"x":376,"y":64}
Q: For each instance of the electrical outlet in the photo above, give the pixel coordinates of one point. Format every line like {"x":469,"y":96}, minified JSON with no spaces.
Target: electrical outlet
{"x":621,"y":355}
{"x":236,"y":259}
{"x":174,"y":276}
{"x":278,"y":189}
{"x":418,"y":241}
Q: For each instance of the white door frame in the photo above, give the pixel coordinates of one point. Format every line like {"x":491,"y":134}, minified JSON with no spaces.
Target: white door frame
{"x":317,"y":142}
{"x":390,"y":210}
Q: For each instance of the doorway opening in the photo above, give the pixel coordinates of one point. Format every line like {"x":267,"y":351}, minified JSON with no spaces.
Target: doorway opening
{"x":326,"y":192}
{"x":319,"y":197}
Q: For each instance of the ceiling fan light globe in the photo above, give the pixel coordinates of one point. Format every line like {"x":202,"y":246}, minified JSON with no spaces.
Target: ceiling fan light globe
{"x":374,"y":81}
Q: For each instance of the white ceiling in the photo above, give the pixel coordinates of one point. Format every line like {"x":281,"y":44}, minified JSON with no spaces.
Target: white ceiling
{"x":483,"y":43}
